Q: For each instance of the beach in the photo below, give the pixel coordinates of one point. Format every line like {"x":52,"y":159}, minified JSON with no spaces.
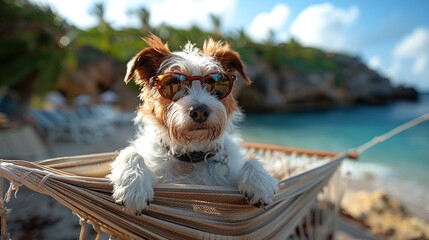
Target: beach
{"x":44,"y":211}
{"x":329,"y":77}
{"x":399,"y":164}
{"x":416,"y":206}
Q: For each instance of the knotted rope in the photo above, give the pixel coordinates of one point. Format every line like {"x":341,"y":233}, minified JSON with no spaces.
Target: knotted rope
{"x":4,"y":213}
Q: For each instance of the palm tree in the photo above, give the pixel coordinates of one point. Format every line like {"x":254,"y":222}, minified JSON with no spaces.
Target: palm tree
{"x":217,"y":23}
{"x":144,"y":16}
{"x":271,"y":37}
{"x":98,"y":10}
{"x":101,"y":36}
{"x":34,"y":52}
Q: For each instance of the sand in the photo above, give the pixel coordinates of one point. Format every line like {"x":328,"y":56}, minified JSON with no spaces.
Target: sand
{"x":415,"y":206}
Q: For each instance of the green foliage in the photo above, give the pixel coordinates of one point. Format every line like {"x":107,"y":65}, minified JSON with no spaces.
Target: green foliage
{"x":33,"y":46}
{"x":297,"y":58}
{"x":143,"y":15}
{"x":32,"y":49}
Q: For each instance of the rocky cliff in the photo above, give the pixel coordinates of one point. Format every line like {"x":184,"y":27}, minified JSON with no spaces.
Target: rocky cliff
{"x":281,"y":86}
{"x":288,"y":77}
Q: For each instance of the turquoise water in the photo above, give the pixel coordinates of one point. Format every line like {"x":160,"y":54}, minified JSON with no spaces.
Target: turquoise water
{"x":405,"y":156}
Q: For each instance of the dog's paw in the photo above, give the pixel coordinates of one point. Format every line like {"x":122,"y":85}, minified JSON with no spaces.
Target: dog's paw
{"x":259,"y":193}
{"x":132,"y":181}
{"x":257,"y":185}
{"x":134,"y":197}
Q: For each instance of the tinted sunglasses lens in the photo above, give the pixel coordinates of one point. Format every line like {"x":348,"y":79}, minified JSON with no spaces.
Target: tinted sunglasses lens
{"x":173,"y":86}
{"x":219,"y":84}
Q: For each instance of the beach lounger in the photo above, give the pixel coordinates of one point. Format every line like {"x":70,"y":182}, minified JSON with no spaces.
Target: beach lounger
{"x":22,"y":142}
{"x":78,"y":127}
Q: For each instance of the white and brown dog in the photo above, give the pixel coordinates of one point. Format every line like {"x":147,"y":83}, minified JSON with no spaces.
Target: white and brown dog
{"x":187,"y":119}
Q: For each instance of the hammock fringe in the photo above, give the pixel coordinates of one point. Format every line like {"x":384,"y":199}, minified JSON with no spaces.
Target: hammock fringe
{"x":179,"y":211}
{"x":307,"y":205}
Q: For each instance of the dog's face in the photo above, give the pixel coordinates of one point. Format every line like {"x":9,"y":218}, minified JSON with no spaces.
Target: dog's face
{"x":187,"y":92}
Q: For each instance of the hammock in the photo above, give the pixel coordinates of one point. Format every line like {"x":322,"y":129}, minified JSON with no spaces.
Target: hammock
{"x":191,"y":211}
{"x":306,"y":205}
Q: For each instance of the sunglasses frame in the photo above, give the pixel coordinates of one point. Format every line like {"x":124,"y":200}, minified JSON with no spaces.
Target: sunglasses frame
{"x":203,"y":79}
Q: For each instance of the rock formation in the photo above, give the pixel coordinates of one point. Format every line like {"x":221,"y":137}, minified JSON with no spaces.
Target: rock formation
{"x":384,"y":215}
{"x":277,"y":85}
{"x":280,"y":88}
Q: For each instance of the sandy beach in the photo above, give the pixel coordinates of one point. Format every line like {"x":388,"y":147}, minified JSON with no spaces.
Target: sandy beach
{"x":414,"y":205}
{"x":34,"y":214}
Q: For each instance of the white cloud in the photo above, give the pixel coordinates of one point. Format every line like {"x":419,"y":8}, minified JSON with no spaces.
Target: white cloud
{"x":324,"y":25}
{"x":421,"y":64}
{"x":412,"y":44}
{"x":414,"y":47}
{"x":410,"y":60}
{"x":75,"y":12}
{"x":265,"y":22}
{"x":186,"y":13}
{"x":117,"y":12}
{"x":394,"y":69}
{"x":374,"y":62}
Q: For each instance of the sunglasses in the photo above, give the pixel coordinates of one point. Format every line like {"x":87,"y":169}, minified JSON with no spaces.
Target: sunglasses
{"x":174,"y":86}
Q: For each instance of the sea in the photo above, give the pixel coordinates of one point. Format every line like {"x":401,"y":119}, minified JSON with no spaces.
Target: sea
{"x":401,"y":163}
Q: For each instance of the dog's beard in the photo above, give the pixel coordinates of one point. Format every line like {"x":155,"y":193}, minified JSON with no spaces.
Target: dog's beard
{"x":183,"y":130}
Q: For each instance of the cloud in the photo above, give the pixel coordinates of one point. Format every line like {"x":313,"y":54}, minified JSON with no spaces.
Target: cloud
{"x":324,"y":25}
{"x":76,"y":13}
{"x":265,"y":22}
{"x":186,"y":13}
{"x":411,"y":59}
{"x":374,"y":62}
{"x":415,"y":47}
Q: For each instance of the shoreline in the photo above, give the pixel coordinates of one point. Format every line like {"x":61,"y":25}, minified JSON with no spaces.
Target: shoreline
{"x":385,"y":212}
{"x":415,"y":206}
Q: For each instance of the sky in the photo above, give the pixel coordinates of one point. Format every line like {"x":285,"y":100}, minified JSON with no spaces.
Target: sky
{"x":390,"y":36}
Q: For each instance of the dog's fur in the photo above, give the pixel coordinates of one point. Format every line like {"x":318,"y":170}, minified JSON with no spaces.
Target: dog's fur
{"x":167,"y":130}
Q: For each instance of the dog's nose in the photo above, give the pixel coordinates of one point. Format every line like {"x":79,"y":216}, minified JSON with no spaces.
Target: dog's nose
{"x":199,"y":113}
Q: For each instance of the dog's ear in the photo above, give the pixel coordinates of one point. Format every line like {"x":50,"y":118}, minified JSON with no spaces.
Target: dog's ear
{"x":229,"y":59}
{"x":145,"y":64}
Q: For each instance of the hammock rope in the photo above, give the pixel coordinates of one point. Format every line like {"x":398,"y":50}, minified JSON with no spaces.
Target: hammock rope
{"x":179,"y":211}
{"x":379,"y":139}
{"x":306,"y":205}
{"x":4,"y":213}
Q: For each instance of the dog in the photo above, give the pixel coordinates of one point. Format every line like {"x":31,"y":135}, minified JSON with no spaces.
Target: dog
{"x":187,"y":121}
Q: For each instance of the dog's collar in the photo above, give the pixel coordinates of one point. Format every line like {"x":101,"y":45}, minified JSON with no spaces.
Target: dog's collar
{"x":199,"y":156}
{"x":192,"y":157}
{"x":195,"y":157}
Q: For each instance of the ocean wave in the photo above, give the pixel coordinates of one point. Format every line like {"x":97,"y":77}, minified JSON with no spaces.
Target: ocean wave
{"x":383,"y":177}
{"x":411,"y":192}
{"x":365,"y":170}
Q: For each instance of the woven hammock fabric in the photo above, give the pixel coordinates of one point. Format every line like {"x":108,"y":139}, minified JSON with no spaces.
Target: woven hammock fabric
{"x":188,"y":211}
